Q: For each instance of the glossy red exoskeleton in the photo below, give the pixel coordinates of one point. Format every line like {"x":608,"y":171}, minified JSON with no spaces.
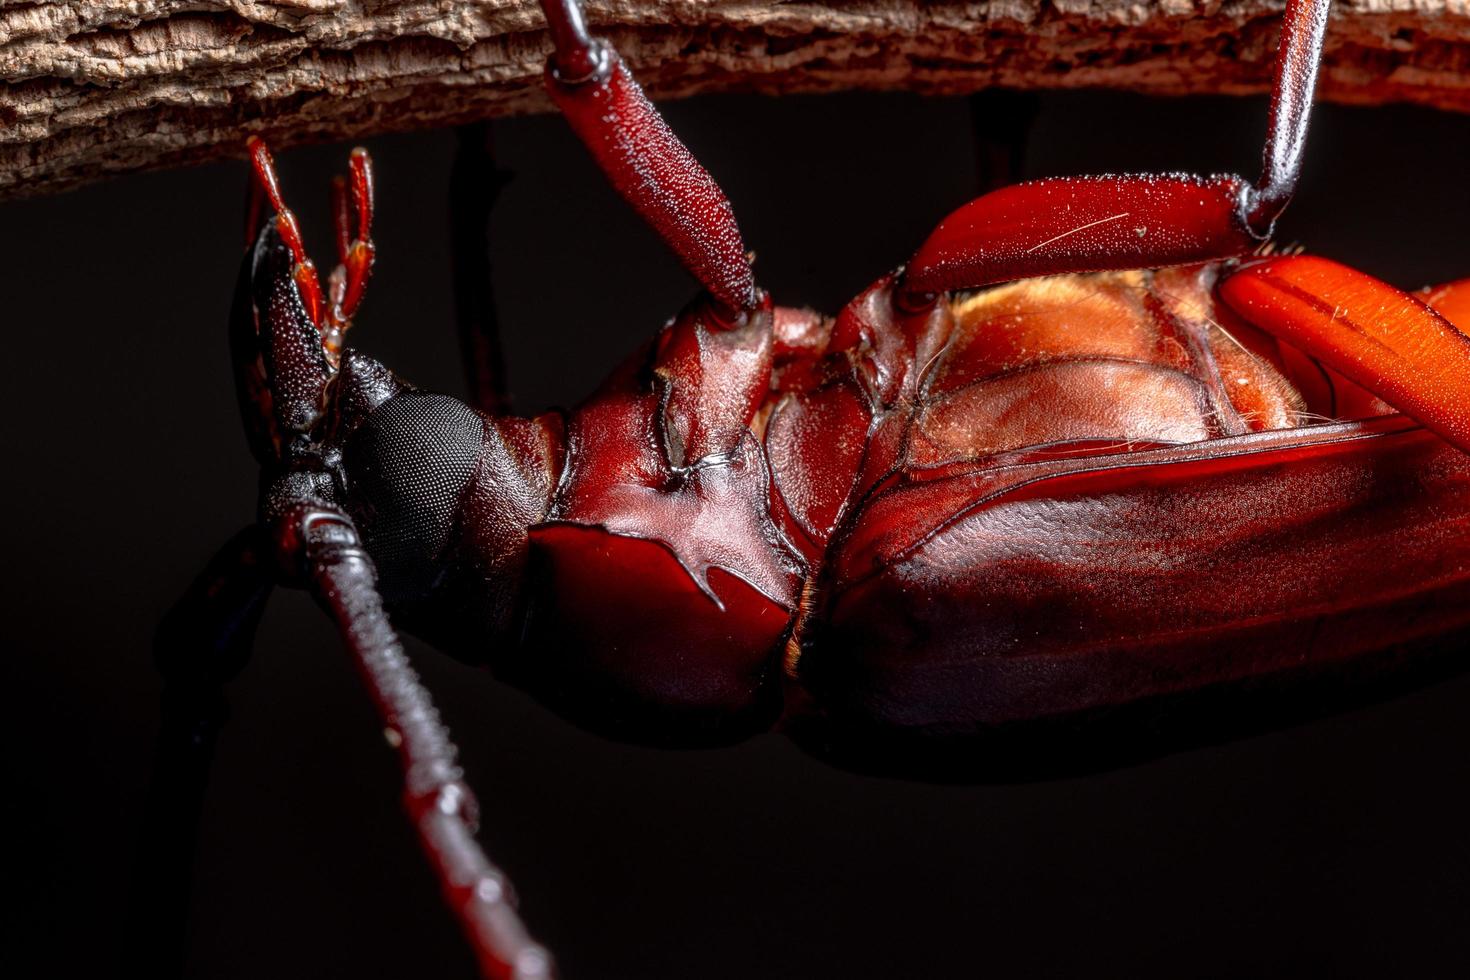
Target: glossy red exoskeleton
{"x":1093,"y":449}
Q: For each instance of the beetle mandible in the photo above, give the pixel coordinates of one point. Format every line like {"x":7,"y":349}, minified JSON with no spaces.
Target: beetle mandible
{"x":979,"y":499}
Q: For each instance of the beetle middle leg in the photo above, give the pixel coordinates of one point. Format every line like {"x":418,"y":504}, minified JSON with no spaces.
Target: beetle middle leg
{"x":474,"y":187}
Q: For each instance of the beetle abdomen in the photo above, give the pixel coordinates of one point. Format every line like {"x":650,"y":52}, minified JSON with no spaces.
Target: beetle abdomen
{"x":1113,"y":579}
{"x":1102,"y":489}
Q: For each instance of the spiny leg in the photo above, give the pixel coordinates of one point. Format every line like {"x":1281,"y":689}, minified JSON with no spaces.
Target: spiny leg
{"x":203,"y":642}
{"x":474,"y":187}
{"x":1084,"y":224}
{"x":645,"y":162}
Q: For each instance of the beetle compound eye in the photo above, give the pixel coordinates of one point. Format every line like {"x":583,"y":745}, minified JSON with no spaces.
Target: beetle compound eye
{"x":408,"y":465}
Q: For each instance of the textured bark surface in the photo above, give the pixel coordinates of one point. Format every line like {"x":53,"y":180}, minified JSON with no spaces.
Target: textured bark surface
{"x":96,"y":87}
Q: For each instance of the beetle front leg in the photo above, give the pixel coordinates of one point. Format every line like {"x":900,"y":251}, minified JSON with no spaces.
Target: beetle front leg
{"x":1088,"y":224}
{"x":645,"y":162}
{"x":474,"y":187}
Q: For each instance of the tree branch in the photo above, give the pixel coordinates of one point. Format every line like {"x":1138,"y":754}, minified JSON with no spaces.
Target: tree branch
{"x":90,"y":88}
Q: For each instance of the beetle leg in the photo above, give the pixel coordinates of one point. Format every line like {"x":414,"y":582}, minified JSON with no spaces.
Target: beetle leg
{"x":202,"y":642}
{"x":645,"y":162}
{"x":1088,"y":224}
{"x":1385,"y":340}
{"x":1001,"y":120}
{"x":1298,"y":56}
{"x":322,"y":544}
{"x":474,"y":186}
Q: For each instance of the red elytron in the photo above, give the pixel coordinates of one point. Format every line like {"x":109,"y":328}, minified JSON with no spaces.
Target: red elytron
{"x":1149,"y":459}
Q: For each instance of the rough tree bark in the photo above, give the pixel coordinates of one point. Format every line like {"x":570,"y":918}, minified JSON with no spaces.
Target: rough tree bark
{"x":96,"y":87}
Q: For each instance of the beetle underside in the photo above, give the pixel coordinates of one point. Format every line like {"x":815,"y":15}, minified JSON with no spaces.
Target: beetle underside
{"x":1113,"y":490}
{"x":1043,"y":500}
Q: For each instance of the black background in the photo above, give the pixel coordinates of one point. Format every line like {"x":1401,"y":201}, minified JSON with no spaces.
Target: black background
{"x":1335,"y":848}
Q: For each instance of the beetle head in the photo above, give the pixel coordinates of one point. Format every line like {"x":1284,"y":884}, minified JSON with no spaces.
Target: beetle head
{"x":442,"y":495}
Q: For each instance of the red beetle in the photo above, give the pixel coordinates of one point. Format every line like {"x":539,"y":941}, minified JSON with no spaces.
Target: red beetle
{"x":1011,"y":488}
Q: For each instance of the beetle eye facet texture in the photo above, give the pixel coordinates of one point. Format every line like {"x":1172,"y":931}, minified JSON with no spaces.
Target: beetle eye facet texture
{"x":409,"y":464}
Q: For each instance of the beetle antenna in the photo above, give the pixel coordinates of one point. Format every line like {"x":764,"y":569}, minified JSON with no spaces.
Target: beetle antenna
{"x":323,"y":541}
